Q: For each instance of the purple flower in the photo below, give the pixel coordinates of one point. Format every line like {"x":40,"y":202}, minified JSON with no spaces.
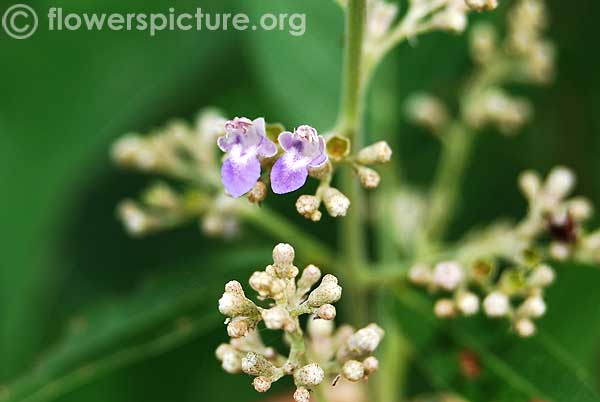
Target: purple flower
{"x":304,"y":149}
{"x":244,"y":143}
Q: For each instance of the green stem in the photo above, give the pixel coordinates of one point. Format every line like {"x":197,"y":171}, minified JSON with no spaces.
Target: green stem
{"x":307,"y":247}
{"x":458,"y":142}
{"x":349,"y":124}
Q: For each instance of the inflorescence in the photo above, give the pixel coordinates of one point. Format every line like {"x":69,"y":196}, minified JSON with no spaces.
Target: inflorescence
{"x":324,"y":355}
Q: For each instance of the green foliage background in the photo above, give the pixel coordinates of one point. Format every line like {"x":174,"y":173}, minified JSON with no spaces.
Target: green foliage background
{"x":70,"y":276}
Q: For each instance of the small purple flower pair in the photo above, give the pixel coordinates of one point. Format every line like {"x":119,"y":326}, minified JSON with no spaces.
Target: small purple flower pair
{"x":246,"y":144}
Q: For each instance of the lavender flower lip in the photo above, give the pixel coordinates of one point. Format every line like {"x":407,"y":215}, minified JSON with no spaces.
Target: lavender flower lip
{"x":244,"y":143}
{"x":304,"y":149}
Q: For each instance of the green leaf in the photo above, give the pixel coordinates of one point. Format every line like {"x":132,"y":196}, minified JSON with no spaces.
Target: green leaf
{"x":169,"y":311}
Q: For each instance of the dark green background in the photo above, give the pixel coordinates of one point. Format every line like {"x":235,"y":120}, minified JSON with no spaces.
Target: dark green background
{"x":67,"y":95}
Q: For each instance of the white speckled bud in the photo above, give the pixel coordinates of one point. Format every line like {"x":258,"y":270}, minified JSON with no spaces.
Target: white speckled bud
{"x":283,"y":254}
{"x":310,"y":375}
{"x":261,"y":384}
{"x":353,"y":371}
{"x":363,"y":342}
{"x":267,"y":285}
{"x":275,"y":317}
{"x":369,"y":178}
{"x":302,"y":395}
{"x":308,"y":207}
{"x":379,"y":152}
{"x":420,"y":274}
{"x":530,"y":184}
{"x":233,"y":303}
{"x":328,"y":292}
{"x":230,"y":358}
{"x":560,"y":251}
{"x":238,"y":327}
{"x":258,"y":193}
{"x":560,"y":182}
{"x":257,"y":365}
{"x":326,"y":312}
{"x":310,"y":276}
{"x":542,"y":276}
{"x":496,"y":304}
{"x":336,"y":203}
{"x":371,"y":365}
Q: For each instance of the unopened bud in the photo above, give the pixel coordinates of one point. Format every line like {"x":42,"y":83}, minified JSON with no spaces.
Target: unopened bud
{"x":525,"y":328}
{"x":453,"y":19}
{"x":302,"y":395}
{"x":560,"y":251}
{"x":337,"y":204}
{"x":420,"y":274}
{"x":238,"y":327}
{"x":496,"y":304}
{"x":134,"y":218}
{"x":275,"y":317}
{"x":310,"y":375}
{"x":482,"y":5}
{"x":444,"y":308}
{"x":468,"y":303}
{"x":258,"y":193}
{"x":261,"y":384}
{"x":364,"y":341}
{"x":256,"y":365}
{"x":427,"y":111}
{"x":310,"y":276}
{"x":328,"y":292}
{"x":283,"y":254}
{"x":560,"y":182}
{"x":379,"y":152}
{"x":353,"y":371}
{"x":318,"y":329}
{"x":580,"y":209}
{"x":371,"y":365}
{"x":530,"y":184}
{"x":267,"y":285}
{"x":541,"y":277}
{"x":369,"y":178}
{"x":308,"y":207}
{"x":230,"y":358}
{"x":448,"y":275}
{"x":326,"y":312}
{"x":533,"y":307}
{"x":233,"y":303}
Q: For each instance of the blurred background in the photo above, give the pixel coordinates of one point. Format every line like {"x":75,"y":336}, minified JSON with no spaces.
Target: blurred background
{"x":72,"y":280}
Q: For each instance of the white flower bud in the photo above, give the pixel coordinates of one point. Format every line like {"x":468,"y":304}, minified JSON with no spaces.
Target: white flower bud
{"x":257,"y":365}
{"x":530,"y":184}
{"x":230,"y":358}
{"x":560,"y":182}
{"x":380,"y":18}
{"x":448,"y":275}
{"x":379,"y":152}
{"x":444,"y":308}
{"x":427,"y":111}
{"x":267,"y":285}
{"x":328,"y":292}
{"x":363,"y":342}
{"x":133,"y":150}
{"x":310,"y":276}
{"x":135,"y":220}
{"x":580,"y":209}
{"x":453,"y":19}
{"x":275,"y":317}
{"x":337,"y":204}
{"x":283,"y":254}
{"x":533,"y":307}
{"x":353,"y":371}
{"x":234,"y":303}
{"x":310,"y":375}
{"x":371,"y":365}
{"x":369,"y":178}
{"x":308,"y":207}
{"x":302,"y":395}
{"x":420,"y":274}
{"x":541,"y":277}
{"x":326,"y":312}
{"x":560,"y":251}
{"x":238,"y":327}
{"x":261,"y":384}
{"x":468,"y":303}
{"x":525,"y":328}
{"x":496,"y":304}
{"x":482,"y":5}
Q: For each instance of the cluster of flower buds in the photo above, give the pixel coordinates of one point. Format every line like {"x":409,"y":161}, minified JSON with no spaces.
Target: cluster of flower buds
{"x":515,"y":293}
{"x":183,"y":153}
{"x":556,"y":220}
{"x":427,"y":111}
{"x":336,"y":203}
{"x":504,"y":270}
{"x":323,"y":355}
{"x":525,"y":57}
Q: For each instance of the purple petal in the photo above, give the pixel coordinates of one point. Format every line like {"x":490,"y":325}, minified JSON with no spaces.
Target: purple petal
{"x":286,"y":140}
{"x":322,"y":157}
{"x":288,"y":174}
{"x":225,"y":143}
{"x":239,"y":176}
{"x":267,"y":148}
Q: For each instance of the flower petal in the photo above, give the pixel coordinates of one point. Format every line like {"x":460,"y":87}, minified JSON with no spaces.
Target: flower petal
{"x":239,"y":176}
{"x":288,"y":174}
{"x":267,"y":148}
{"x":322,"y":157}
{"x":286,"y":140}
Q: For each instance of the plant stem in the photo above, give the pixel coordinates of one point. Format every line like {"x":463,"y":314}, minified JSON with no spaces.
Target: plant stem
{"x":353,"y":244}
{"x":458,"y":142}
